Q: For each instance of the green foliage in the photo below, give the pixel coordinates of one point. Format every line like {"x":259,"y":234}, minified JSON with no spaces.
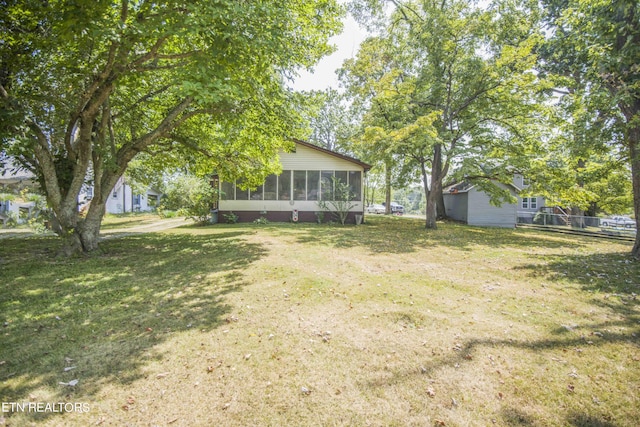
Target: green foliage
{"x":448,"y":84}
{"x":231,"y":218}
{"x":342,"y":201}
{"x":199,"y":85}
{"x":191,"y":196}
{"x":261,"y":221}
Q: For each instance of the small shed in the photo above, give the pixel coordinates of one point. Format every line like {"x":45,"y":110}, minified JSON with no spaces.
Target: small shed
{"x":467,"y":203}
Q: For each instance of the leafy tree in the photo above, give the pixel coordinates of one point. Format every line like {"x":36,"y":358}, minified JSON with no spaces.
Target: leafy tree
{"x":451,"y":86}
{"x":330,"y":121}
{"x":85,"y":88}
{"x":601,"y":39}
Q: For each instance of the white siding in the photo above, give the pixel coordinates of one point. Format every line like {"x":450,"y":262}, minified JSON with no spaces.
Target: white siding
{"x":483,"y":213}
{"x":456,"y":206}
{"x":306,"y":158}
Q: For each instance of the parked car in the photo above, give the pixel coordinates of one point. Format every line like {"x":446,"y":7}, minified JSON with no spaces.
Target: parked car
{"x":396,"y":208}
{"x":618,"y":221}
{"x":376,"y":209}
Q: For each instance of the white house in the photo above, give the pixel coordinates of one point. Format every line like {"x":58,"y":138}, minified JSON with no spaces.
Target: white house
{"x":122,"y":199}
{"x":308,"y":174}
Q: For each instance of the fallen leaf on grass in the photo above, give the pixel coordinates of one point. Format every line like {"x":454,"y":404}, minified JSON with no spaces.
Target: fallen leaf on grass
{"x":131,"y":400}
{"x":162,"y":375}
{"x":431,"y":392}
{"x":71,"y":383}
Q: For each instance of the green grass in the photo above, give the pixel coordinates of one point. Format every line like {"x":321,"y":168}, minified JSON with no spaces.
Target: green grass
{"x":384,"y":324}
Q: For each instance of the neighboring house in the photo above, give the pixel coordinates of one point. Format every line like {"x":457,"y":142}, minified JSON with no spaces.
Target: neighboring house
{"x":306,"y":179}
{"x":122,"y":199}
{"x":467,"y":203}
{"x":13,"y":181}
{"x":527,"y":206}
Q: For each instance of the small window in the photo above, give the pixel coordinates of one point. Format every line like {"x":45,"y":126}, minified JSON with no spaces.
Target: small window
{"x":525,"y":203}
{"x":115,"y":194}
{"x":355,"y":185}
{"x":227,"y":191}
{"x":533,"y":202}
{"x":341,"y":176}
{"x":284,"y":185}
{"x":257,"y":193}
{"x":299,"y":185}
{"x":313,"y":185}
{"x":241,"y":194}
{"x":326,"y":185}
{"x":271,"y":188}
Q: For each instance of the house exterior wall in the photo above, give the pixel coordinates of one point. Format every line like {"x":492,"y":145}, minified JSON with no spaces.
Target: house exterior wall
{"x":456,"y":206}
{"x":303,"y":159}
{"x":123,"y":200}
{"x":526,"y":208}
{"x":482,"y":213}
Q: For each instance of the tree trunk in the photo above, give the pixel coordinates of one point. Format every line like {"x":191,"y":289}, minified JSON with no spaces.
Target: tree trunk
{"x":634,"y":151}
{"x":80,"y":235}
{"x":436,"y":188}
{"x":387,"y":186}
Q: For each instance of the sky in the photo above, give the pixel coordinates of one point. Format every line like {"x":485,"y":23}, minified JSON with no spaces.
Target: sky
{"x":324,"y":75}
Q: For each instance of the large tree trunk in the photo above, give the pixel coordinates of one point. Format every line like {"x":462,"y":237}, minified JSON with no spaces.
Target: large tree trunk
{"x":436,"y":188}
{"x":80,"y":235}
{"x":634,"y":151}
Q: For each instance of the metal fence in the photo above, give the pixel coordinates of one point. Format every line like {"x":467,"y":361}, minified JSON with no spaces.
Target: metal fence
{"x":586,"y":224}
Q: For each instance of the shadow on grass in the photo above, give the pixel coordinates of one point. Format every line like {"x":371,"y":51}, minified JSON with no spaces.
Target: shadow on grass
{"x":405,"y":235}
{"x":610,"y":272}
{"x":105,"y":314}
{"x":614,"y":289}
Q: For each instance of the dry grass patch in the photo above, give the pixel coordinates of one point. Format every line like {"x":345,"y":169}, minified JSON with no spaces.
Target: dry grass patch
{"x":383,"y":324}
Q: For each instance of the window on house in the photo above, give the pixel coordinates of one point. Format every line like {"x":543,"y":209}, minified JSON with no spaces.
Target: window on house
{"x":313,"y":185}
{"x":240,"y":193}
{"x":227,"y":191}
{"x":341,"y":176}
{"x":326,"y":185}
{"x":115,"y":194}
{"x":257,"y":193}
{"x":284,"y":185}
{"x":529,"y":203}
{"x":271,"y":188}
{"x":355,"y":184}
{"x":136,"y":199}
{"x":299,"y":185}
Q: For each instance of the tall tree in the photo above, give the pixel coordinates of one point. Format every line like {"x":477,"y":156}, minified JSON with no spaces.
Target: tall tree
{"x":330,"y":121}
{"x":86,"y":86}
{"x":602,"y":37}
{"x":458,"y":90}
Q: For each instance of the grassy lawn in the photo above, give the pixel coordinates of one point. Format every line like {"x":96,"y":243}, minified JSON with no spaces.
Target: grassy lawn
{"x":384,"y":324}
